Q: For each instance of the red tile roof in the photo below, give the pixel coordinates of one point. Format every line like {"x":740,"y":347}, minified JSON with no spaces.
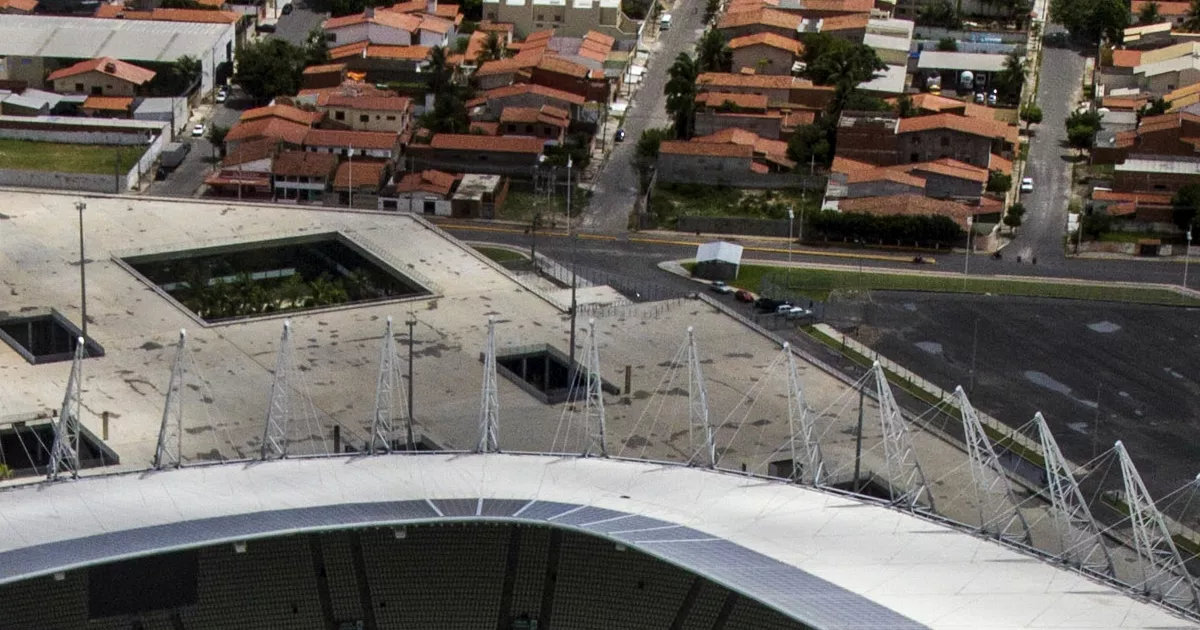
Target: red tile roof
{"x":431,"y":181}
{"x":885,"y":174}
{"x":997,"y":163}
{"x":400,"y":21}
{"x":845,"y":22}
{"x":951,"y":168}
{"x":760,"y":81}
{"x":275,"y":128}
{"x":304,"y":164}
{"x":20,"y":5}
{"x":767,"y":39}
{"x":1142,"y":198}
{"x":411,"y":53}
{"x":547,"y":115}
{"x":111,"y":103}
{"x":329,"y":67}
{"x":359,"y":174}
{"x":109,"y":11}
{"x":501,"y":144}
{"x":125,"y":71}
{"x":761,"y":17}
{"x":710,"y":149}
{"x":1127,"y":58}
{"x":913,"y":205}
{"x":184,"y":15}
{"x":559,"y":65}
{"x":743,"y":101}
{"x":965,"y":124}
{"x":286,"y":112}
{"x":528,"y":88}
{"x":1165,"y":9}
{"x":485,"y":128}
{"x":775,"y":149}
{"x":379,"y":140}
{"x":512,"y":65}
{"x":250,"y":151}
{"x":373,"y":103}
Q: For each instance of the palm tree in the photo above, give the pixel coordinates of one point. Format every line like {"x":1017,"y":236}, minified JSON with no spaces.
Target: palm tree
{"x":492,"y":49}
{"x":712,"y":53}
{"x":1149,"y":14}
{"x":1012,"y":77}
{"x":681,"y":94}
{"x":1192,"y":21}
{"x":439,"y":70}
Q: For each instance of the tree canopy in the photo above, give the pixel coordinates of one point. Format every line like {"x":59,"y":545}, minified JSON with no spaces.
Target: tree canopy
{"x":449,"y":115}
{"x":271,"y":67}
{"x":681,"y":94}
{"x":648,"y":144}
{"x":1011,"y":78}
{"x":1186,"y":208}
{"x":713,"y":53}
{"x":1092,"y":20}
{"x":1149,"y":14}
{"x":439,"y":71}
{"x":1031,"y":114}
{"x":809,"y":144}
{"x":1192,"y":21}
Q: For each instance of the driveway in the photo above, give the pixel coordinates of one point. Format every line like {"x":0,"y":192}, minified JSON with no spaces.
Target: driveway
{"x":187,"y":178}
{"x":1041,"y":233}
{"x":616,"y":187}
{"x":295,"y":26}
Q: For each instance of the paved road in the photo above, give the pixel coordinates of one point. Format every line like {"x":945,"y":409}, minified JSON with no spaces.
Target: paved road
{"x":1041,"y":233}
{"x":294,"y":27}
{"x":187,"y":178}
{"x":616,"y":187}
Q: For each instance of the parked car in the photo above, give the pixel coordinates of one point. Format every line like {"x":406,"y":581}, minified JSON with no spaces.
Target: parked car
{"x":784,"y":309}
{"x":798,"y":312}
{"x":198,"y":130}
{"x":767,"y":305}
{"x":743,"y":295}
{"x":265,"y":28}
{"x":993,"y":98}
{"x":980,"y":97}
{"x":1027,"y":184}
{"x":287,"y":8}
{"x":719,"y":286}
{"x":222,"y":95}
{"x":620,"y":137}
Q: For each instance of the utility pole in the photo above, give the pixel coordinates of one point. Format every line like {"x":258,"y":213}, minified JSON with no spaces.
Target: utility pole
{"x":574,"y":277}
{"x":81,"y":206}
{"x":791,"y":217}
{"x":350,"y":184}
{"x":862,"y":393}
{"x":412,"y":321}
{"x":1187,"y":256}
{"x":967,"y":256}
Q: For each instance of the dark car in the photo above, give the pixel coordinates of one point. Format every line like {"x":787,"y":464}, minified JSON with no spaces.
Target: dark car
{"x":265,"y":28}
{"x":767,"y":305}
{"x":287,"y":8}
{"x":620,"y":137}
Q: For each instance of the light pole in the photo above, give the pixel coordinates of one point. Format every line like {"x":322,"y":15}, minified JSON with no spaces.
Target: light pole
{"x":81,"y":206}
{"x":791,"y":216}
{"x":1187,"y":256}
{"x":574,"y":277}
{"x":967,"y":256}
{"x":412,"y":321}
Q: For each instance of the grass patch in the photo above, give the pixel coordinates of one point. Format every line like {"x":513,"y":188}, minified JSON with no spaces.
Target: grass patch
{"x":500,"y":255}
{"x":1006,"y":116}
{"x":1127,"y":237}
{"x":523,"y":206}
{"x":817,"y":284}
{"x":671,"y":201}
{"x":68,"y":158}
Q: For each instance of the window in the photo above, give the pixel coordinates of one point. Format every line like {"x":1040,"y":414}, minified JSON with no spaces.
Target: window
{"x":512,"y":128}
{"x":914,"y":157}
{"x":78,"y":87}
{"x":528,"y":128}
{"x":541,"y":17}
{"x":97,"y":90}
{"x":558,"y":18}
{"x":364,"y":118}
{"x":391,"y":118}
{"x":339,"y":115}
{"x":332,"y":37}
{"x":430,"y":207}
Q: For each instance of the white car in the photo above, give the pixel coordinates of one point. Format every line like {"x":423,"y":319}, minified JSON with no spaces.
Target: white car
{"x":993,"y":98}
{"x":1027,"y":185}
{"x":720,"y":287}
{"x":796,"y":312}
{"x":198,"y":130}
{"x":222,"y":95}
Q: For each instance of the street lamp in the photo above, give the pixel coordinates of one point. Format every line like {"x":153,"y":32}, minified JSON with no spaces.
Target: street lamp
{"x":791,"y":216}
{"x":967,"y":256}
{"x":81,"y":206}
{"x":574,"y":278}
{"x":1187,"y":255}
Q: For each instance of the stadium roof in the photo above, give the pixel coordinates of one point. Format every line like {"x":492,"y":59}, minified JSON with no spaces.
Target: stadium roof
{"x":827,"y":560}
{"x":89,"y":38}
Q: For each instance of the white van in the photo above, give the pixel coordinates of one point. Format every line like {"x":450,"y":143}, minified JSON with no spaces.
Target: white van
{"x":664,"y":23}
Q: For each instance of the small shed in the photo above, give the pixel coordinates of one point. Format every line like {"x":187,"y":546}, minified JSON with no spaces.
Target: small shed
{"x":718,"y":260}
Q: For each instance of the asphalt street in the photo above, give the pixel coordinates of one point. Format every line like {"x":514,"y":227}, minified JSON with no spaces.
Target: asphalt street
{"x":1041,"y":233}
{"x":187,"y":178}
{"x":295,"y":26}
{"x":616,"y":187}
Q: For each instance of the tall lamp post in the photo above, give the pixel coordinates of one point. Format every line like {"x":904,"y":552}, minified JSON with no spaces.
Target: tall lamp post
{"x":574,"y":277}
{"x":791,"y":217}
{"x":81,"y":206}
{"x":1187,"y":256}
{"x":967,"y":256}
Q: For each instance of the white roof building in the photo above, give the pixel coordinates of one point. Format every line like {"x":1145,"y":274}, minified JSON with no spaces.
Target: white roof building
{"x":958,"y":61}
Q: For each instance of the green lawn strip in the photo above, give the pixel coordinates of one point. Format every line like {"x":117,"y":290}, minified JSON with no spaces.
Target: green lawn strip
{"x":818,"y":283}
{"x":522,"y":206}
{"x":1127,"y":237}
{"x":500,"y":254}
{"x":671,"y":201}
{"x":68,"y":158}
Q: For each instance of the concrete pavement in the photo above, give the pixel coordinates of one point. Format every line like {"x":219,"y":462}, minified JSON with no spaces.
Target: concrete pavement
{"x":615,"y":188}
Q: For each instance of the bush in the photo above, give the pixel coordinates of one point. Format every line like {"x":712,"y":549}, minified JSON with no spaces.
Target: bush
{"x":999,"y":182}
{"x":921,"y":230}
{"x":947,"y":44}
{"x":1096,"y":224}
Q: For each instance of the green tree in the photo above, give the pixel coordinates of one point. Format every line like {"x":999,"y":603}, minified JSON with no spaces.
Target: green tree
{"x":439,"y":70}
{"x":449,"y":115}
{"x":1186,"y":207}
{"x":648,"y":144}
{"x":710,"y":9}
{"x":713,"y":53}
{"x":492,"y":49}
{"x":316,"y":47}
{"x":861,"y":102}
{"x":1092,"y":20}
{"x":1094,"y":225}
{"x":269,"y":67}
{"x":681,"y":94}
{"x":1149,"y":14}
{"x":216,"y":136}
{"x":810,"y":144}
{"x":1156,"y":107}
{"x":1031,"y":114}
{"x":947,"y":44}
{"x":1014,"y":216}
{"x":905,"y":107}
{"x":939,"y":13}
{"x":999,"y":182}
{"x":1011,"y":78}
{"x":1082,"y":128}
{"x":1192,"y":21}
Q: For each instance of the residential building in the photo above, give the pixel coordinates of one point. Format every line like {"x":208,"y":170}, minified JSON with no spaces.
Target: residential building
{"x":328,"y":75}
{"x":812,"y":9}
{"x":1155,"y":175}
{"x":735,"y":24}
{"x":282,"y":124}
{"x":718,"y":111}
{"x":463,"y":153}
{"x":424,"y":192}
{"x":104,"y":76}
{"x":1175,"y":135}
{"x":367,"y":113}
{"x":383,"y":26}
{"x":765,"y":53}
{"x":18,"y":7}
{"x":382,"y":145}
{"x":1152,"y":72}
{"x":770,"y":156}
{"x":941,"y":179}
{"x":1173,"y":12}
{"x":490,"y":104}
{"x":950,"y":66}
{"x":920,"y":205}
{"x":1139,"y":210}
{"x":926,"y":103}
{"x":548,"y":123}
{"x":245,"y":173}
{"x":380,"y":62}
{"x":779,"y":90}
{"x":107,"y":107}
{"x":479,"y":196}
{"x":569,"y":18}
{"x":561,"y":74}
{"x":302,"y":175}
{"x":357,"y":183}
{"x":682,"y":161}
{"x":885,"y":140}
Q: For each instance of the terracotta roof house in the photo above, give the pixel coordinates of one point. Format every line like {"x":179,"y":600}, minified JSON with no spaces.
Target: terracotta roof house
{"x":302,"y":176}
{"x":763,"y":20}
{"x":424,"y":192}
{"x":546,"y":122}
{"x":1168,"y":135}
{"x":357,"y":183}
{"x":779,"y":89}
{"x":245,"y":172}
{"x":770,"y":153}
{"x":915,"y":205}
{"x":104,"y":76}
{"x":465,"y":153}
{"x":384,"y":145}
{"x":278,"y":130}
{"x":765,"y":53}
{"x":367,"y":112}
{"x":525,"y":95}
{"x":284,"y":112}
{"x":382,"y":26}
{"x":18,"y":7}
{"x":107,"y":107}
{"x":705,"y":162}
{"x":202,"y":16}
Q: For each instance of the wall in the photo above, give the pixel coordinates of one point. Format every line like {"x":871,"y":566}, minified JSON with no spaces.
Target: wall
{"x":31,"y":70}
{"x":709,"y":122}
{"x":518,"y":165}
{"x":935,"y":144}
{"x":729,"y":172}
{"x":536,"y":101}
{"x":935,"y":33}
{"x":1130,"y":181}
{"x":942,"y":186}
{"x":735,"y":225}
{"x":415,"y":203}
{"x":376,"y":120}
{"x":881,"y":188}
{"x":75,"y":137}
{"x":433,"y":39}
{"x":83,"y":182}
